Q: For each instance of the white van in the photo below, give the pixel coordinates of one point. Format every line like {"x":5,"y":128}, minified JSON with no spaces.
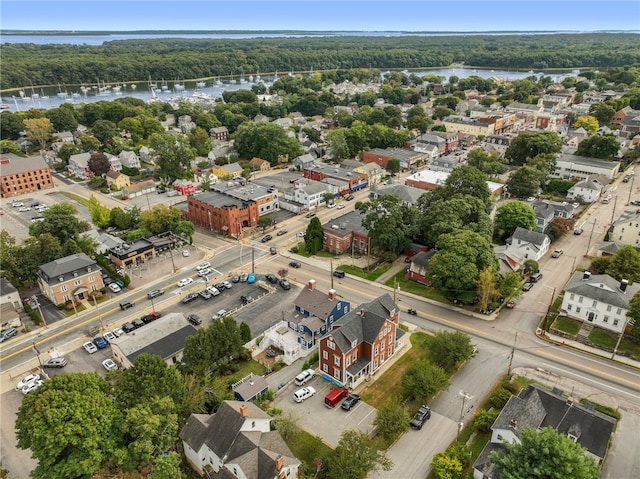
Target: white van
{"x":304,"y":377}
{"x":304,"y":393}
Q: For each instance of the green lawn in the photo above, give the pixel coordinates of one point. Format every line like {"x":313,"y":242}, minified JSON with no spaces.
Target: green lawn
{"x":77,"y":198}
{"x":306,"y":447}
{"x":361,"y":273}
{"x":415,"y":288}
{"x":609,"y":340}
{"x":569,"y":326}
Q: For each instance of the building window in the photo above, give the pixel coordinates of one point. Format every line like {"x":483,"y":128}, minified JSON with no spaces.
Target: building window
{"x":390,"y":340}
{"x":595,"y":303}
{"x":325,"y":355}
{"x":578,"y":309}
{"x":354,"y":356}
{"x":580,"y":299}
{"x":605,"y":319}
{"x":375,"y":353}
{"x":569,"y":307}
{"x":336,"y":360}
{"x":63,"y":288}
{"x":608,"y":307}
{"x":615,"y":322}
{"x":331,"y":345}
{"x":76,"y":282}
{"x":336,"y":373}
{"x":325,"y":368}
{"x":619,"y":311}
{"x":91,"y":279}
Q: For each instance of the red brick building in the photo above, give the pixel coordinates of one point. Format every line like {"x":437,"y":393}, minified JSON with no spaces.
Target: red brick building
{"x":23,"y":175}
{"x":345,"y":234}
{"x":222,"y":214}
{"x":361,"y":342}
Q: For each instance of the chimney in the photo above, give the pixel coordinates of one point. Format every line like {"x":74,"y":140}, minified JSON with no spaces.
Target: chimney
{"x":279,"y":462}
{"x":586,"y":276}
{"x":244,"y":410}
{"x":312,"y":284}
{"x":623,"y":285}
{"x":570,"y":401}
{"x":362,"y":313}
{"x":332,"y":294}
{"x":513,"y":423}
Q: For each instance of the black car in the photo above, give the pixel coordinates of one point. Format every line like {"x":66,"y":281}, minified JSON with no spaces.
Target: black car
{"x":246,"y":299}
{"x":284,"y":284}
{"x":271,"y":278}
{"x":350,"y":197}
{"x":339,"y":274}
{"x":137,"y":323}
{"x":350,"y":401}
{"x":527,"y":286}
{"x":126,"y":305}
{"x":311,"y":214}
{"x":420,"y":417}
{"x":190,"y":297}
{"x":295,"y":264}
{"x":128,"y":327}
{"x":147,"y":318}
{"x":194,"y":319}
{"x":266,"y":238}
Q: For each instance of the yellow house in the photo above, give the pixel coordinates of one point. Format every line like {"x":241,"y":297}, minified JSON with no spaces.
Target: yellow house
{"x":260,"y":165}
{"x":117,"y":180}
{"x":227,"y":171}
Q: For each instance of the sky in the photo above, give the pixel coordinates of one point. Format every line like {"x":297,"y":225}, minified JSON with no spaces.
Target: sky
{"x":347,"y":15}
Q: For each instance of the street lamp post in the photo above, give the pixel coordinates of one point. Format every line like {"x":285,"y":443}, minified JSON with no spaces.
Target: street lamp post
{"x":465,"y":397}
{"x":36,"y":351}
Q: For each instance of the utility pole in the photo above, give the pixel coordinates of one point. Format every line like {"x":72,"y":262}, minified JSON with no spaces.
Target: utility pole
{"x":331,"y":272}
{"x":613,"y":213}
{"x":591,"y":236}
{"x":513,"y":351}
{"x":465,"y":397}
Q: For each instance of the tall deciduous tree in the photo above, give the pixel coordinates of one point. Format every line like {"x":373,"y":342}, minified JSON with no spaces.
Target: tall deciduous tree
{"x":393,"y":166}
{"x":313,"y":236}
{"x":61,"y":221}
{"x":338,"y":147}
{"x":467,"y":180}
{"x":514,"y":214}
{"x":489,"y":164}
{"x":173,"y":156}
{"x":634,"y":316}
{"x":529,"y":145}
{"x":38,"y":130}
{"x":625,"y":265}
{"x":448,"y":348}
{"x":100,"y":214}
{"x":267,"y":141}
{"x":355,"y":457}
{"x":392,"y":420}
{"x":488,"y":291}
{"x":605,"y":147}
{"x":544,"y":453}
{"x":588,"y":122}
{"x":71,"y":425}
{"x":524,"y":182}
{"x":212,"y":348}
{"x":423,"y":379}
{"x":99,"y":164}
{"x":389,"y":221}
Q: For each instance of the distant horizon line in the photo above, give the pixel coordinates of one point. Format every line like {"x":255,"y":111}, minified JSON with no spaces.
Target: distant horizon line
{"x":308,"y":32}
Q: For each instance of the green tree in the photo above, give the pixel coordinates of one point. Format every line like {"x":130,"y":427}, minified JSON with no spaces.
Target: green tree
{"x":338,"y":147}
{"x":173,"y":156}
{"x":200,"y":141}
{"x":456,"y":266}
{"x":634,"y":315}
{"x":512,"y":215}
{"x":245,"y":332}
{"x":489,"y":164}
{"x":88,"y":142}
{"x":99,"y":164}
{"x":524,"y":182}
{"x":83,"y":426}
{"x":354,"y":457}
{"x":59,"y":220}
{"x":422,"y":380}
{"x":389,"y":221}
{"x":267,"y":141}
{"x":392,"y":420}
{"x":328,"y":198}
{"x":439,"y":215}
{"x":529,"y":145}
{"x":104,"y":131}
{"x":161,"y":218}
{"x":488,"y":291}
{"x":485,"y":419}
{"x":264,"y":222}
{"x":393,"y":166}
{"x":602,"y":112}
{"x":100,"y":215}
{"x":449,"y":348}
{"x":313,"y":236}
{"x":357,"y":137}
{"x":530,"y":267}
{"x":509,"y":285}
{"x":446,"y":466}
{"x":545,"y":453}
{"x":625,"y":264}
{"x":167,"y":466}
{"x":605,"y":147}
{"x":467,"y":180}
{"x":8,"y":146}
{"x":66,"y":151}
{"x":588,"y":122}
{"x":120,"y":219}
{"x":38,"y":130}
{"x":211,"y":348}
{"x":441,"y":112}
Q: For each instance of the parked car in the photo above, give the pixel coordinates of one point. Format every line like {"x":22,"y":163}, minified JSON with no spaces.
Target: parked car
{"x":246,"y":299}
{"x":281,"y":232}
{"x":128,"y":327}
{"x":31,"y":378}
{"x":137,"y":323}
{"x":32,"y":386}
{"x":339,"y":274}
{"x":109,"y":364}
{"x":350,"y":197}
{"x":227,"y":285}
{"x":295,"y":264}
{"x":350,"y":402}
{"x":108,"y":336}
{"x":304,"y":377}
{"x":284,"y":284}
{"x":155,"y":293}
{"x":194,"y":319}
{"x":235,"y":279}
{"x":266,"y":238}
{"x":341,"y":205}
{"x":90,"y":347}
{"x":527,"y":286}
{"x":304,"y":393}
{"x":578,"y":231}
{"x":117,"y":332}
{"x":271,"y":278}
{"x":557,"y":253}
{"x":244,"y":277}
{"x":251,"y":279}
{"x":220,"y":314}
{"x":8,"y":333}
{"x":310,"y":214}
{"x":510,"y":304}
{"x":205,"y":294}
{"x":185,"y":252}
{"x":59,"y":362}
{"x":213,"y":290}
{"x":24,"y":208}
{"x":421,"y":416}
{"x":535,"y":277}
{"x":205,"y":272}
{"x":184,"y":282}
{"x":190,"y":297}
{"x":300,"y":234}
{"x":16,"y":204}
{"x":115,"y":288}
{"x":100,"y":342}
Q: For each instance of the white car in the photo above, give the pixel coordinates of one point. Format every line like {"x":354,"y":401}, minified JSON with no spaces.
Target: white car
{"x":304,"y":377}
{"x":331,"y":205}
{"x":213,"y":290}
{"x":304,"y":393}
{"x":32,"y":386}
{"x":340,"y":206}
{"x":17,"y":203}
{"x":31,"y":378}
{"x":90,"y":347}
{"x":118,"y":332}
{"x":220,"y":314}
{"x":205,"y":272}
{"x":185,"y":252}
{"x":108,"y":336}
{"x":109,"y":364}
{"x":24,"y":208}
{"x":300,"y":234}
{"x":204,"y":265}
{"x":227,"y":284}
{"x":114,"y":288}
{"x":184,"y":282}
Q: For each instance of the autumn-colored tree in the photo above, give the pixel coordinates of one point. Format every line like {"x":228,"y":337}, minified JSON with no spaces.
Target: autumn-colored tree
{"x":38,"y":130}
{"x":99,"y":164}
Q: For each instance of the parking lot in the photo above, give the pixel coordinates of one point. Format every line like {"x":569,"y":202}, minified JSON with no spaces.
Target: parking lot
{"x":317,"y":419}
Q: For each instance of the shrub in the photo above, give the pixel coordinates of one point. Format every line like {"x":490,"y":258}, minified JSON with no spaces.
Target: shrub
{"x":499,"y":398}
{"x":485,"y":419}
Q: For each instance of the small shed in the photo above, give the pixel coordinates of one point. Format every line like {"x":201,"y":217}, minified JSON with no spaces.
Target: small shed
{"x":248,"y":388}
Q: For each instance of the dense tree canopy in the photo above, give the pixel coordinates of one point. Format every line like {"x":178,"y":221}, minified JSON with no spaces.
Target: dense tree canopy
{"x":354,"y":457}
{"x":544,"y":453}
{"x":512,"y":215}
{"x":389,"y":221}
{"x":625,"y":264}
{"x":528,"y":145}
{"x":267,"y":141}
{"x":601,"y":146}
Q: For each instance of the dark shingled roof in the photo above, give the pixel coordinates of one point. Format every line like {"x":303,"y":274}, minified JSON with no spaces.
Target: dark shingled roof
{"x":316,"y":302}
{"x":64,"y":267}
{"x":167,"y":346}
{"x":602,"y":288}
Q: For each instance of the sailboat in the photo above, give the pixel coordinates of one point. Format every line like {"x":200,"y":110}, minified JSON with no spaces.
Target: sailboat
{"x":152,"y":84}
{"x":24,"y":96}
{"x":42,"y":95}
{"x":177,"y":86}
{"x":61,"y":93}
{"x":201,"y":84}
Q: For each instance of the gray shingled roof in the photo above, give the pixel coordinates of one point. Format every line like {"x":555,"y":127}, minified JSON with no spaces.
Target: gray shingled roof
{"x":527,"y":236}
{"x":316,"y":302}
{"x":408,"y":194}
{"x":603,"y":288}
{"x":65,"y":267}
